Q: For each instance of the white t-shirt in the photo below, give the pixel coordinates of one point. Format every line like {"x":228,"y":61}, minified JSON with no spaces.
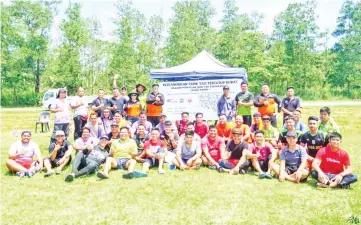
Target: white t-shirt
{"x":81,"y":110}
{"x":61,"y":116}
{"x":30,"y":150}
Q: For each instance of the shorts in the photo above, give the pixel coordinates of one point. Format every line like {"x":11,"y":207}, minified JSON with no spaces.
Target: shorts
{"x":184,"y":160}
{"x":264,"y":165}
{"x":55,"y":161}
{"x":169,"y":157}
{"x":292,"y":169}
{"x":26,"y":163}
{"x":151,"y":161}
{"x":122,"y":163}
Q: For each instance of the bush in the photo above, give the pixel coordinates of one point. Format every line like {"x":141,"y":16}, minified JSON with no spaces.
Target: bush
{"x":18,"y":98}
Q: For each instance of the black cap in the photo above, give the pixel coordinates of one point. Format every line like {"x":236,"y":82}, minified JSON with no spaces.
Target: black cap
{"x":236,"y":131}
{"x":266,"y":118}
{"x":168,"y":123}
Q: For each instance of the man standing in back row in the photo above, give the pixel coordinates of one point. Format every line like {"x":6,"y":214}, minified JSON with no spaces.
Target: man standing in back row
{"x":266,"y":103}
{"x":155,"y":101}
{"x":290,"y":103}
{"x":244,"y":102}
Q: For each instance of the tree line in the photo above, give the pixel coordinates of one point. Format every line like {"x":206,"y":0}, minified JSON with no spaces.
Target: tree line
{"x":296,"y":53}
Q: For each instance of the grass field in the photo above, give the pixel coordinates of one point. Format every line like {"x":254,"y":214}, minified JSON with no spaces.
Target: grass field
{"x":189,"y":197}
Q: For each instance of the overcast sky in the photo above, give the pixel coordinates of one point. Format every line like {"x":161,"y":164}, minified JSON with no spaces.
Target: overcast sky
{"x":104,"y":10}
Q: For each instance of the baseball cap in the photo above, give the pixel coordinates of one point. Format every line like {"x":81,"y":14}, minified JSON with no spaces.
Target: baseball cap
{"x":59,"y":133}
{"x":291,"y":134}
{"x":256,"y":114}
{"x":114,"y":124}
{"x":168,"y":123}
{"x":236,"y":131}
{"x":104,"y":136}
{"x":266,"y":118}
{"x":225,"y":87}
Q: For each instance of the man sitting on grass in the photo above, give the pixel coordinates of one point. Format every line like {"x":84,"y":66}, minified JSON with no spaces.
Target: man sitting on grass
{"x":170,"y":139}
{"x":21,"y":156}
{"x":154,"y":152}
{"x":293,"y":159}
{"x":263,"y":155}
{"x":189,"y":153}
{"x":329,"y":165}
{"x":235,"y":160}
{"x":122,"y":156}
{"x":87,"y":161}
{"x":85,"y":142}
{"x":60,"y":154}
{"x":270,"y":133}
{"x":213,"y":148}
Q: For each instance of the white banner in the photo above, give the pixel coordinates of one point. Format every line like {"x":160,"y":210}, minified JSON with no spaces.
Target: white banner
{"x":195,"y":96}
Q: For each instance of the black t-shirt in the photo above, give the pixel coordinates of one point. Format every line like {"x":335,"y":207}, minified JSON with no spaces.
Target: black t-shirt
{"x":164,"y":137}
{"x":236,"y":150}
{"x":139,"y":140}
{"x":106,"y":102}
{"x":313,"y":143}
{"x":119,"y":103}
{"x":61,"y":152}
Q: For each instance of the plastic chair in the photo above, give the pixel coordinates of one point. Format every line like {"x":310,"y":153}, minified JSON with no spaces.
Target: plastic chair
{"x":44,"y":119}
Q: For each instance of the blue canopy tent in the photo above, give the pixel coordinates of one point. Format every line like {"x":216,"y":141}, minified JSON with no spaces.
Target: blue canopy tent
{"x":203,"y":66}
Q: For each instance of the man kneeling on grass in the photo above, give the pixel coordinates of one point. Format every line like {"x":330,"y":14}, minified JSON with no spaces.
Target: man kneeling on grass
{"x":236,"y":154}
{"x":60,"y":154}
{"x":154,"y":152}
{"x":189,"y":153}
{"x":122,"y":156}
{"x":89,"y":160}
{"x":263,"y":155}
{"x":21,"y":157}
{"x":293,"y":159}
{"x":329,"y":165}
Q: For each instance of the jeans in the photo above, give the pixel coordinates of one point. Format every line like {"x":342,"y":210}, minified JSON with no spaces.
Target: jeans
{"x":228,"y":165}
{"x":82,"y":165}
{"x":274,"y":121}
{"x":346,"y":180}
{"x":61,"y":126}
{"x":78,"y":126}
{"x":133,"y":119}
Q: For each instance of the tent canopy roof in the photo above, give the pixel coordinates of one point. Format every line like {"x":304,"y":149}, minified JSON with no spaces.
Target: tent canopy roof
{"x":203,"y":66}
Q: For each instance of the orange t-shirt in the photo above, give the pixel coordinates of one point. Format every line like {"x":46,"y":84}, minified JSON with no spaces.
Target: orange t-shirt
{"x":245,"y":131}
{"x":267,"y":109}
{"x":224,"y":130}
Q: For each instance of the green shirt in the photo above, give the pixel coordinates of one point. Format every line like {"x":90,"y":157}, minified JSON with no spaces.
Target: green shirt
{"x":124,"y":149}
{"x":328,"y":127}
{"x":244,"y":97}
{"x":270,"y":133}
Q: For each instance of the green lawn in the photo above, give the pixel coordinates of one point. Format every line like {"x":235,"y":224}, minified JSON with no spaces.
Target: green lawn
{"x":189,"y":197}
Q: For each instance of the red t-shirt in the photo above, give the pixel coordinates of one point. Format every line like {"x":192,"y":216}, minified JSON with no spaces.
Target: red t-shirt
{"x":333,"y":162}
{"x":265,"y":151}
{"x":201,"y":130}
{"x":181,"y":126}
{"x":153,"y":147}
{"x":213,"y":146}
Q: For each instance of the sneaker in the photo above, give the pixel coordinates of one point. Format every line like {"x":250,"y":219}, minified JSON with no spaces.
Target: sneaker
{"x":161,"y":171}
{"x":268,"y":176}
{"x":37,"y":167}
{"x":345,"y":186}
{"x":29,"y":173}
{"x":69,"y":177}
{"x":261,"y":175}
{"x":128,"y":175}
{"x":138,"y":174}
{"x":222,"y":170}
{"x":58,"y":171}
{"x":102,"y":175}
{"x":212,"y":167}
{"x":172,"y":167}
{"x":49,"y":173}
{"x":242,"y":171}
{"x":20,"y":174}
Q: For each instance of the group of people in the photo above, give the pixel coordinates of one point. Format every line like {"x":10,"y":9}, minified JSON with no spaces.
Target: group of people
{"x":125,"y":130}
